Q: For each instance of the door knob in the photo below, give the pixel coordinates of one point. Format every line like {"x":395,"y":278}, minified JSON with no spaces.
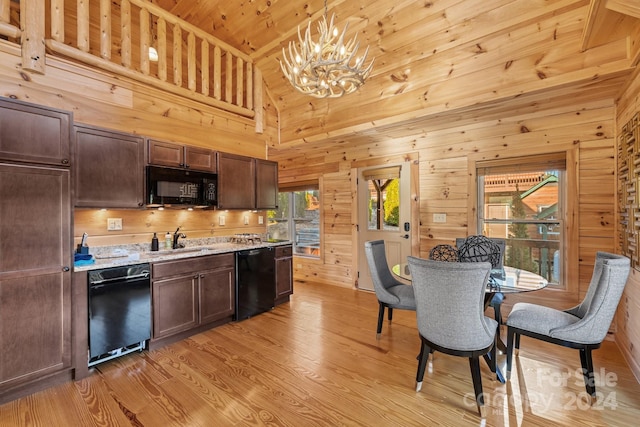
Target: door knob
{"x":65,"y":268}
{"x":406,"y":236}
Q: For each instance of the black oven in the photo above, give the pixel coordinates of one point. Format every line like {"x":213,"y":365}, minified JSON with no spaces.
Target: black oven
{"x":167,"y":187}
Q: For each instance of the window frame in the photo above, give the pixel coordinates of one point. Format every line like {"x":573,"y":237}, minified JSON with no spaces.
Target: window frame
{"x":569,"y":281}
{"x":290,"y":191}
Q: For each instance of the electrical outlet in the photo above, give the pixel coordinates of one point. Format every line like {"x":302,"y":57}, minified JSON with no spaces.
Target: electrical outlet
{"x":246,"y":220}
{"x":114,"y":224}
{"x":439,"y":217}
{"x":221,"y":220}
{"x":260,"y":219}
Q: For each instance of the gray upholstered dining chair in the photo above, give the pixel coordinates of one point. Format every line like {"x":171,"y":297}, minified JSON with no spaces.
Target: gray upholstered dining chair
{"x":474,"y":253}
{"x":582,"y":327}
{"x":391,"y":293}
{"x":455,"y":326}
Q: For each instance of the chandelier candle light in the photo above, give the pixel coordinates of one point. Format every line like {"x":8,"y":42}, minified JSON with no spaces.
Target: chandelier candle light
{"x":328,"y":68}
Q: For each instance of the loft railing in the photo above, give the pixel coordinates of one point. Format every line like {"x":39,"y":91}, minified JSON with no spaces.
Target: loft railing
{"x":115,"y":35}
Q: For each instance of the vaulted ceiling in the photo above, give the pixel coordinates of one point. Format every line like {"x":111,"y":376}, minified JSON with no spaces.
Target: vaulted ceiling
{"x":435,"y":60}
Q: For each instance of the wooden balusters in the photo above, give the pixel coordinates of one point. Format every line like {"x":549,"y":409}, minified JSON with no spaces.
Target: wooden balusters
{"x":90,"y":40}
{"x":191,"y":61}
{"x":217,"y":68}
{"x":177,"y":55}
{"x":125,"y":28}
{"x":228,"y":84}
{"x":144,"y":41}
{"x":204,"y":66}
{"x":57,"y":20}
{"x":83,"y":25}
{"x":33,"y":49}
{"x":105,"y":29}
{"x":162,"y":49}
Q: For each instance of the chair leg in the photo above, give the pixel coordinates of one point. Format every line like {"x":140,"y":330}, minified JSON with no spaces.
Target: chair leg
{"x":517,"y":344}
{"x":422,"y":364}
{"x":510,"y":337}
{"x":380,"y":319}
{"x":587,"y":370}
{"x":390,"y":316}
{"x":474,"y":364}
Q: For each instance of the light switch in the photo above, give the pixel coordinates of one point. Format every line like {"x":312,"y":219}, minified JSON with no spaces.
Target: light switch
{"x":439,"y":217}
{"x":246,"y":220}
{"x":114,"y":224}
{"x":260,"y":219}
{"x":221,"y":220}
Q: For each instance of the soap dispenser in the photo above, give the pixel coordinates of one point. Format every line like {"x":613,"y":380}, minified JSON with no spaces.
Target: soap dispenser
{"x":167,"y":240}
{"x":154,"y":242}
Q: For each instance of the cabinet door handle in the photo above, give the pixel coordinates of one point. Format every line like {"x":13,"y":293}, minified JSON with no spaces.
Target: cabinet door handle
{"x":187,"y":166}
{"x":65,"y":161}
{"x":65,"y":268}
{"x":202,"y":276}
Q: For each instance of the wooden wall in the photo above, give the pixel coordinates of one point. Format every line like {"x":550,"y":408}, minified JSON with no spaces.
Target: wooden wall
{"x":444,"y":148}
{"x":138,"y":226}
{"x":100,"y":99}
{"x":628,"y":316}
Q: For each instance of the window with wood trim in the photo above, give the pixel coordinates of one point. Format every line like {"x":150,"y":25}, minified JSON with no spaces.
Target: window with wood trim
{"x":298,"y":218}
{"x":384,"y":198}
{"x":521,"y":200}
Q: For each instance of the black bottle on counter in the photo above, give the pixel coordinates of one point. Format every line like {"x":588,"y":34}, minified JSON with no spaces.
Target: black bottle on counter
{"x":154,"y":242}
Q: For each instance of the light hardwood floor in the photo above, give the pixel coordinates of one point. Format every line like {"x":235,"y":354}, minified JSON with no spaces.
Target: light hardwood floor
{"x":315,"y":362}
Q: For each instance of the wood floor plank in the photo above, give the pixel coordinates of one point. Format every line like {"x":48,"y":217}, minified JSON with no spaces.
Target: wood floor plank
{"x":315,"y":361}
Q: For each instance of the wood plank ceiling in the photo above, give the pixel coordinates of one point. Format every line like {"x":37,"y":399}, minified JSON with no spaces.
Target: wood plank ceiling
{"x":435,"y":60}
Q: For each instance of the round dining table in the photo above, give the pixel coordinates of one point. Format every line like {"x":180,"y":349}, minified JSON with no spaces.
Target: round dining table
{"x":505,"y":280}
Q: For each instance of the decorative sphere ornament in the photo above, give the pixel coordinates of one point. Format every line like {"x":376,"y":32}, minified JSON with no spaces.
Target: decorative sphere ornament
{"x":479,"y":249}
{"x":444,"y":253}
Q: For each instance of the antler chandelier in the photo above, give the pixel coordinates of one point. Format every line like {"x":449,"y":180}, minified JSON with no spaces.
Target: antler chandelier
{"x":328,"y":68}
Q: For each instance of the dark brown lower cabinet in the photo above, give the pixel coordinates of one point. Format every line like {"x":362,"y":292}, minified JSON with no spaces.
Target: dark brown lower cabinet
{"x":191,"y":293}
{"x":284,"y":273}
{"x":175,"y":305}
{"x":35,"y":277}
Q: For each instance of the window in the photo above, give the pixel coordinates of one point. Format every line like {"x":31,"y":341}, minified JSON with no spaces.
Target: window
{"x":297,"y":219}
{"x":384,"y":198}
{"x":521,"y":200}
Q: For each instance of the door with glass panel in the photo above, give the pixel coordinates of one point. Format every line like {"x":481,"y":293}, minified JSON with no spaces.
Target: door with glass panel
{"x":384,"y":213}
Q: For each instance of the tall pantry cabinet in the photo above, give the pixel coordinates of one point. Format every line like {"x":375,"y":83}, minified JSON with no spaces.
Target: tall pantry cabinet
{"x":35,"y":247}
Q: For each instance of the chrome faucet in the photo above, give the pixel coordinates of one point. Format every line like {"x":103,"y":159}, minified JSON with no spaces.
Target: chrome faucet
{"x":176,"y":236}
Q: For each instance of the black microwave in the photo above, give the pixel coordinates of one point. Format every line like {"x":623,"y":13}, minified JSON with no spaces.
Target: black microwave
{"x":168,"y":187}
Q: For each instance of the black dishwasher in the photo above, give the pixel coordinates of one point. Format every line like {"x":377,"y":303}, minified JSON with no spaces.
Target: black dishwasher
{"x":119,"y":311}
{"x":255,"y":282}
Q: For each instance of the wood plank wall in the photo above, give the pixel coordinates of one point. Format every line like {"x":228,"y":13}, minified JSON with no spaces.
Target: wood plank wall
{"x":443,"y":148}
{"x":100,"y":99}
{"x":96,"y":98}
{"x":628,"y":315}
{"x":138,"y":226}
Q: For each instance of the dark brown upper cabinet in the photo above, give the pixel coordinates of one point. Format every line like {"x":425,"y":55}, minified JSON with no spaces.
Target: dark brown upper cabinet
{"x":173,"y":155}
{"x":109,"y":168}
{"x":246,"y":183}
{"x":236,"y":182}
{"x":34,"y":134}
{"x":266,"y":184}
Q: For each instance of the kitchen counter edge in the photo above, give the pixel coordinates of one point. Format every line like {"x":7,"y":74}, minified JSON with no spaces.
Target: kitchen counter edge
{"x":189,"y":252}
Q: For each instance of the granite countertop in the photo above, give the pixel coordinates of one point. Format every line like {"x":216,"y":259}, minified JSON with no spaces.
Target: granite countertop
{"x":113,"y":256}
